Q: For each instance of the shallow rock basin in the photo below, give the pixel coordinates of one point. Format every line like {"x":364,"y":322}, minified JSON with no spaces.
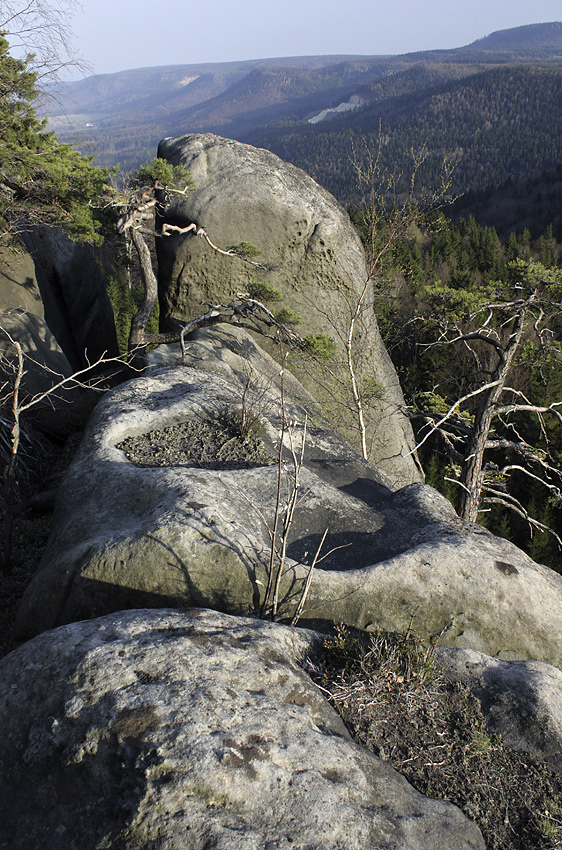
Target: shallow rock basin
{"x":126,"y":536}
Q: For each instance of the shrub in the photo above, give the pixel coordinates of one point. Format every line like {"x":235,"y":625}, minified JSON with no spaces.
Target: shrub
{"x":320,"y":345}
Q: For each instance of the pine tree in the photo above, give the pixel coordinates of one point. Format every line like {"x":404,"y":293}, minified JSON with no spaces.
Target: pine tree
{"x":41,"y":181}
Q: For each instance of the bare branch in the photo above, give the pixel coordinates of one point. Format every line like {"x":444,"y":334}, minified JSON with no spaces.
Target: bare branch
{"x":530,"y":408}
{"x":78,"y":379}
{"x":505,"y":470}
{"x":452,"y":410}
{"x":42,"y":30}
{"x":508,"y":501}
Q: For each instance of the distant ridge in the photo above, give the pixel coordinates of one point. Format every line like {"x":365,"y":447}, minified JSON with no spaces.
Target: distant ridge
{"x":496,"y":105}
{"x":532,"y":38}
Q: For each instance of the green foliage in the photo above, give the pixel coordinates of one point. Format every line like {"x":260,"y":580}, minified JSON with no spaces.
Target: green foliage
{"x":454,"y":302}
{"x":549,"y":828}
{"x":125,"y":301}
{"x":370,"y":389}
{"x":285,"y":316}
{"x":384,"y":656}
{"x":41,"y":181}
{"x":262,"y":291}
{"x":481,"y":741}
{"x":247,"y":250}
{"x":159,"y":174}
{"x":444,"y":276}
{"x":320,"y":345}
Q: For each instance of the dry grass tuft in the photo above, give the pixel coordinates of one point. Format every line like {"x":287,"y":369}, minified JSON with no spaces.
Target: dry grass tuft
{"x":395,"y":701}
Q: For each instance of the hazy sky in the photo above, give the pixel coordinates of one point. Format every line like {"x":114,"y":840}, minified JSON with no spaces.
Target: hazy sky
{"x":115,"y":35}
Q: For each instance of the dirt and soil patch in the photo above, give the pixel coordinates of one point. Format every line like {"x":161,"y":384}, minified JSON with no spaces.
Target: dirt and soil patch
{"x":395,"y":702}
{"x":209,"y":444}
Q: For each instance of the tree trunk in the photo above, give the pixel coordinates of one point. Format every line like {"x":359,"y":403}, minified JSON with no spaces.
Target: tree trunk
{"x":472,"y":473}
{"x":143,"y":314}
{"x":10,"y":470}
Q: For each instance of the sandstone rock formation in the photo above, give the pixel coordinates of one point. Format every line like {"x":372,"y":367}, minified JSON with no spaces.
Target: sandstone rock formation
{"x":191,"y":729}
{"x":44,"y":365}
{"x":72,"y":287}
{"x":61,"y":282}
{"x":522,"y":700}
{"x":18,"y":282}
{"x":311,"y":254}
{"x":53,"y":301}
{"x":187,"y":534}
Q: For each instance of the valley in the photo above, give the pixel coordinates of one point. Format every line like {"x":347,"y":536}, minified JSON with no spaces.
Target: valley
{"x":494,"y":106}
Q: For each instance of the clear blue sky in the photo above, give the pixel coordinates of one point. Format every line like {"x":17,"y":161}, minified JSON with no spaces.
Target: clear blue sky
{"x":115,"y":35}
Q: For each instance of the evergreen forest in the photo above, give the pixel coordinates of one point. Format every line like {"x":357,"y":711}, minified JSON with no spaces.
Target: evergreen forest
{"x":498,"y":124}
{"x":442,"y":275}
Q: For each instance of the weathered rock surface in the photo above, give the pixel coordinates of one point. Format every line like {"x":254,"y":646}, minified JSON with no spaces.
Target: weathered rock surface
{"x":192,"y":729}
{"x":53,"y":301}
{"x":522,"y":700}
{"x":125,"y":536}
{"x":18,"y":284}
{"x":76,"y":306}
{"x":313,"y":256}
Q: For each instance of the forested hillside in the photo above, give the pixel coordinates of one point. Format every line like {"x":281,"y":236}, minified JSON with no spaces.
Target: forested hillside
{"x":440,"y":282}
{"x":500,"y":123}
{"x":494,"y":104}
{"x":542,"y":40}
{"x":533,"y":204}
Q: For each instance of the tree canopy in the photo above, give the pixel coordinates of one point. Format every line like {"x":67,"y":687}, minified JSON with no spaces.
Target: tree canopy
{"x":41,"y":181}
{"x":474,"y":329}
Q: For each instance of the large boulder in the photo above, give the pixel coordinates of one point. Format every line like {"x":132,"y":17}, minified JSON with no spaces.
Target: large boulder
{"x":53,"y":302}
{"x":18,"y":282}
{"x":311,"y":254}
{"x":196,"y":531}
{"x":522,"y":700}
{"x":22,"y":318}
{"x":71,"y":280}
{"x":192,"y":729}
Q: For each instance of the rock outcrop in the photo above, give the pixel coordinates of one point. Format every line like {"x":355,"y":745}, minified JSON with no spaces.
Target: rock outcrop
{"x":18,"y":282}
{"x":53,"y":302}
{"x":44,"y":365}
{"x":190,"y":533}
{"x":192,"y":729}
{"x":72,"y":286}
{"x":522,"y":700}
{"x":311,"y":254}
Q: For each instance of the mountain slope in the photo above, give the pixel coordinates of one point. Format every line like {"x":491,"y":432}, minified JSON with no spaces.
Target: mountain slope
{"x":495,"y":102}
{"x":540,"y":41}
{"x":500,"y":123}
{"x":121,"y":116}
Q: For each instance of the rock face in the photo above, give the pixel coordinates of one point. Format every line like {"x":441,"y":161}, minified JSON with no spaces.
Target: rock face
{"x":312,"y":255}
{"x":18,"y":283}
{"x":76,"y":307}
{"x":188,"y":730}
{"x":189,"y":534}
{"x":53,"y":301}
{"x":44,"y":365}
{"x":522,"y":700}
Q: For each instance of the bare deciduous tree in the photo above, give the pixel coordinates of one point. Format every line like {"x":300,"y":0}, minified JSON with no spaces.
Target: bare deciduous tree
{"x":385,"y":217}
{"x":483,"y":430}
{"x":41,"y":29}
